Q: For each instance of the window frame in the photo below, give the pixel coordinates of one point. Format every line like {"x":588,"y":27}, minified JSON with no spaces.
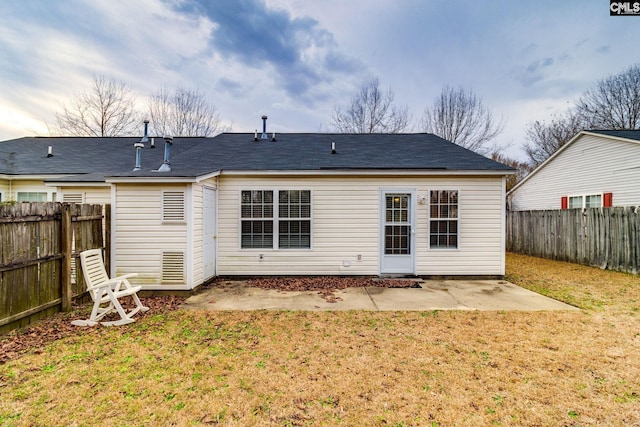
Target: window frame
{"x":46,"y":196}
{"x":276,"y":219}
{"x":431,"y":219}
{"x":583,"y":197}
{"x":254,"y":219}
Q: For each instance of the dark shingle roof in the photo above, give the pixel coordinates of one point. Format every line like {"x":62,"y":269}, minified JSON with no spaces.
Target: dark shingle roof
{"x":96,"y":158}
{"x":627,"y":134}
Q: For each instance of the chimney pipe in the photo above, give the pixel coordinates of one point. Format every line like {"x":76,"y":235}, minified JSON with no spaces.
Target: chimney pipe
{"x":145,"y":138}
{"x":139,"y":146}
{"x":264,"y":128}
{"x":166,"y":166}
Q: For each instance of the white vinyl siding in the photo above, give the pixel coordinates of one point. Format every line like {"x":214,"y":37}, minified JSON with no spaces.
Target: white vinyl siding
{"x":142,"y":234}
{"x":591,"y":165}
{"x":100,"y":195}
{"x":346,"y":222}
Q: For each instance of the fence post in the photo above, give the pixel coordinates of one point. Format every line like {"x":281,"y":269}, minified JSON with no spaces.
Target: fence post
{"x":65,"y":243}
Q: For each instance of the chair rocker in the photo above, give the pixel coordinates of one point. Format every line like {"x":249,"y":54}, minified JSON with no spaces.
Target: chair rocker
{"x":105,"y":291}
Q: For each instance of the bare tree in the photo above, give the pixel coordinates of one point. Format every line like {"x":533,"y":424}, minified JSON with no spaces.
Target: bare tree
{"x":459,"y":116}
{"x":108,"y":109}
{"x":614,"y":103}
{"x":544,"y":139}
{"x":183,"y":113}
{"x":522,"y":168}
{"x":371,"y":111}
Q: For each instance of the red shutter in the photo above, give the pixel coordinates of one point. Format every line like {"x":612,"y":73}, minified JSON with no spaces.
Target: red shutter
{"x":607,"y":200}
{"x":564,"y":202}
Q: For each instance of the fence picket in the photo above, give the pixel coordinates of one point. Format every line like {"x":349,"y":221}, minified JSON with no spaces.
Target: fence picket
{"x":602,"y":237}
{"x":31,"y":267}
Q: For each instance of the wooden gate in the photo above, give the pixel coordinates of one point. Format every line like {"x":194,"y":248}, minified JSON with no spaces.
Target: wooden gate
{"x":38,"y":262}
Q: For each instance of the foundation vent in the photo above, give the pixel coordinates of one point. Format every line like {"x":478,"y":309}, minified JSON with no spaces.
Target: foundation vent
{"x":173,"y":267}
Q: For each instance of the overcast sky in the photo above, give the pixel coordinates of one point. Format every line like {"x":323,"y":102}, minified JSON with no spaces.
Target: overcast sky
{"x":294,"y":60}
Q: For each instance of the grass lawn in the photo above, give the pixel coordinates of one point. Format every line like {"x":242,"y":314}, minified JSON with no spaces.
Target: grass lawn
{"x":281,"y":368}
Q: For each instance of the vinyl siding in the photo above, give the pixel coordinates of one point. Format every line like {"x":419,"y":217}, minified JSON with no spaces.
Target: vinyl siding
{"x":345,"y":223}
{"x":142,"y":236}
{"x":4,"y":190}
{"x":196,"y":234}
{"x":92,"y":195}
{"x":590,"y":165}
{"x":35,"y":186}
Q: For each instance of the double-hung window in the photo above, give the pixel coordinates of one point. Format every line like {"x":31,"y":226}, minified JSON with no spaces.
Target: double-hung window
{"x":286,"y":216}
{"x":294,"y":224}
{"x":602,"y":200}
{"x":443,"y":219}
{"x":257,"y":219}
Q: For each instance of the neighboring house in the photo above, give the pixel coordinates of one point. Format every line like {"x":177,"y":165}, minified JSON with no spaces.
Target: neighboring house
{"x":244,"y":204}
{"x":597,"y":168}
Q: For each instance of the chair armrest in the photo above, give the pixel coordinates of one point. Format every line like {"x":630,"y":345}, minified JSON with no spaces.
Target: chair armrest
{"x":116,"y":282}
{"x":100,"y":286}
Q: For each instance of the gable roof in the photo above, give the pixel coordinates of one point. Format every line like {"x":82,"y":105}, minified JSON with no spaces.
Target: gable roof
{"x":626,"y":135}
{"x":95,"y":159}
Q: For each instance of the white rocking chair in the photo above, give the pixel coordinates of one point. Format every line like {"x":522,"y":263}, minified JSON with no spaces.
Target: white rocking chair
{"x":107,"y":291}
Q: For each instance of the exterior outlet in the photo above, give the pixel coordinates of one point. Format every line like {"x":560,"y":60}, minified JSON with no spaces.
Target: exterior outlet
{"x":359,"y":257}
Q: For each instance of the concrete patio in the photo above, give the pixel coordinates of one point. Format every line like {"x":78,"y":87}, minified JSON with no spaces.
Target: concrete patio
{"x":431,"y":295}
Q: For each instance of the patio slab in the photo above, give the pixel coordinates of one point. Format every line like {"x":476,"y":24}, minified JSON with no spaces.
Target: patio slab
{"x":432,"y":295}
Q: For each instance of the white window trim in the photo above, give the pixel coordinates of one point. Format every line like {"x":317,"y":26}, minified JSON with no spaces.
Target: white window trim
{"x":50,"y":196}
{"x":584,"y":199}
{"x":276,"y":218}
{"x":429,"y":219}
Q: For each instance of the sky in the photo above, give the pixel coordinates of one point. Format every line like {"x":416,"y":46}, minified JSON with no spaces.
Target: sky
{"x":296,"y":60}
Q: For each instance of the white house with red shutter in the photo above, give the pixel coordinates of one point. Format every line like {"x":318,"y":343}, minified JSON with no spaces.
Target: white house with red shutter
{"x":597,"y":168}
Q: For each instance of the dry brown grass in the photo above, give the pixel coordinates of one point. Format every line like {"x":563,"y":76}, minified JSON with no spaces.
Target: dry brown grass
{"x":351,"y":368}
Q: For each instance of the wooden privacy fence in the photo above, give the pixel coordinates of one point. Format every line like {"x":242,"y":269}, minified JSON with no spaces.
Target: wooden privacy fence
{"x":603,"y":237}
{"x":38,"y":246}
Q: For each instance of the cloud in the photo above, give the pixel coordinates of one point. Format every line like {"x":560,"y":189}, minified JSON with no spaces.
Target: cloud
{"x":534,"y":72}
{"x":603,"y":49}
{"x":301,"y":53}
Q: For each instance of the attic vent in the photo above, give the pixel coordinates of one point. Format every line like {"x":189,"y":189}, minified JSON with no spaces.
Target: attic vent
{"x":73,"y":198}
{"x":173,"y":206}
{"x":172,"y":267}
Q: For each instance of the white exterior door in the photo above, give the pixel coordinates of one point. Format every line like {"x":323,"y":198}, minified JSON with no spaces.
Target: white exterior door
{"x":397,"y":232}
{"x":209,"y":232}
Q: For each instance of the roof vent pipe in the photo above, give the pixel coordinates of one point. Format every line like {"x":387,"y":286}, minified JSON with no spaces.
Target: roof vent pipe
{"x":333,"y":148}
{"x":145,"y":138}
{"x":264,"y":128}
{"x":153,"y":143}
{"x":166,"y":166}
{"x":273,"y":136}
{"x":139,"y":146}
{"x":50,"y":151}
